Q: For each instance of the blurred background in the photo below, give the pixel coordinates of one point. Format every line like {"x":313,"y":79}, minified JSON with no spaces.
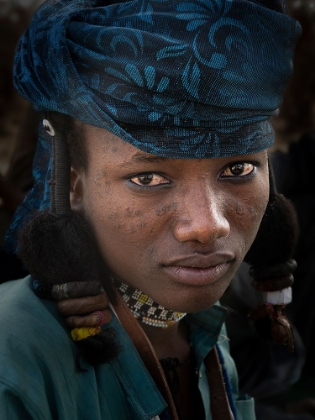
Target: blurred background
{"x":18,"y":122}
{"x":283,"y":384}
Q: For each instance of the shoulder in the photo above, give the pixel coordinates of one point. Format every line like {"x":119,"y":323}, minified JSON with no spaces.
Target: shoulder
{"x":31,"y":327}
{"x":38,"y":374}
{"x":24,"y":316}
{"x":32,"y":338}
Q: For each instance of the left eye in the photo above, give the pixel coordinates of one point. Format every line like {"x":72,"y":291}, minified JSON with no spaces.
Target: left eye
{"x":149,"y":179}
{"x":238,"y":169}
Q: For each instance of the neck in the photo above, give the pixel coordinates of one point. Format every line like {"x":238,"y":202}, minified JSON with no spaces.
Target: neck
{"x":169,"y":342}
{"x":165,"y":329}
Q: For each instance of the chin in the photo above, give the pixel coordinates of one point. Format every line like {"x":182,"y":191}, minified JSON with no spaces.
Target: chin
{"x":195,"y":300}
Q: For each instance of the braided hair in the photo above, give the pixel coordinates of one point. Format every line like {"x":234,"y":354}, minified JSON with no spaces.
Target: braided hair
{"x":58,"y":246}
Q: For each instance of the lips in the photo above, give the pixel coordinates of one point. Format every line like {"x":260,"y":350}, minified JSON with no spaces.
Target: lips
{"x":199,"y":270}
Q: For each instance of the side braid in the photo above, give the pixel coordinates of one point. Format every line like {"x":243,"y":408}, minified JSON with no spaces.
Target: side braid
{"x":58,"y":246}
{"x":270,"y":257}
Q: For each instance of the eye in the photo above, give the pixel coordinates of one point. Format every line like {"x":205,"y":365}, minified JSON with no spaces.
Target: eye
{"x":149,"y":179}
{"x":238,"y":169}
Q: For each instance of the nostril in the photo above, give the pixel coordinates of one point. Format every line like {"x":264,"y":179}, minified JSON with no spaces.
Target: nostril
{"x":201,"y":230}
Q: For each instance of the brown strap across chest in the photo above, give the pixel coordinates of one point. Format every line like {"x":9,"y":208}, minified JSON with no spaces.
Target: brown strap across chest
{"x":220,"y":409}
{"x":146,"y":352}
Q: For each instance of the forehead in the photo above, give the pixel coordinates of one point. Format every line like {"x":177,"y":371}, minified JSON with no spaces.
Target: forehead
{"x":102,"y":143}
{"x":104,"y":146}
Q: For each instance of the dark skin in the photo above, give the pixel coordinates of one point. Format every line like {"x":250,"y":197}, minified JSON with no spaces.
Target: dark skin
{"x":84,"y":309}
{"x":177,"y":229}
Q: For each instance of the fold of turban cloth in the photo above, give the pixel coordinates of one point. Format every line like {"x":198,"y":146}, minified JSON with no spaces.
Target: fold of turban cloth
{"x":180,"y":79}
{"x":175,"y":78}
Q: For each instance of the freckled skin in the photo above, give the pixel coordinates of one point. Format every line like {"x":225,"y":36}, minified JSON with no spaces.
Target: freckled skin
{"x":166,"y":209}
{"x":194,"y":211}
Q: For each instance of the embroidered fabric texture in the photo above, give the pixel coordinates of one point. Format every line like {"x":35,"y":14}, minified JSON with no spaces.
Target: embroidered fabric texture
{"x":178,"y":67}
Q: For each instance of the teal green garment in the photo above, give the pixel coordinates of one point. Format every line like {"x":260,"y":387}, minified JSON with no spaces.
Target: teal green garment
{"x":39,"y":379}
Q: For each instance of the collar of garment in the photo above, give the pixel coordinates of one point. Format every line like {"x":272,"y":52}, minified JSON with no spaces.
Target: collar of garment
{"x":206,"y":330}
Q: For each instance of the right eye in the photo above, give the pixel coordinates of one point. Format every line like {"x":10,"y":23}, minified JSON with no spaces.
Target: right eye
{"x":149,"y":179}
{"x":238,"y":169}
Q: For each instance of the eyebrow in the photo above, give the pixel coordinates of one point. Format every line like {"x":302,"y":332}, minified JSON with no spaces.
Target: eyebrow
{"x":143,"y":158}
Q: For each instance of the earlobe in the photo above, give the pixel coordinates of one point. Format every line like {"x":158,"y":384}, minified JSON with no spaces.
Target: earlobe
{"x":76,"y":191}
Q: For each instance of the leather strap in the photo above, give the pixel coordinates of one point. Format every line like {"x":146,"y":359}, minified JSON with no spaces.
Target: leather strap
{"x":219,"y":403}
{"x":220,"y":408}
{"x":146,"y":352}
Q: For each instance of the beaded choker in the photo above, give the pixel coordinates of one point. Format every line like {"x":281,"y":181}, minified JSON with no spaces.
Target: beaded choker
{"x":145,"y":309}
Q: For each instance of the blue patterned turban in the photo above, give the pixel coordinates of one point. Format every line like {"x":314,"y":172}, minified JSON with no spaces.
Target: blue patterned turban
{"x":175,"y":78}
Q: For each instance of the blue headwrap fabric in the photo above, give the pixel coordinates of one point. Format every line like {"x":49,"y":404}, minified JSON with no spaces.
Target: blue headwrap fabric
{"x":175,"y":78}
{"x":180,"y":79}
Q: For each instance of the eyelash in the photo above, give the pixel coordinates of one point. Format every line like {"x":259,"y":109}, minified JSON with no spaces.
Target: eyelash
{"x":147,"y":174}
{"x":244,"y":177}
{"x":235,"y":178}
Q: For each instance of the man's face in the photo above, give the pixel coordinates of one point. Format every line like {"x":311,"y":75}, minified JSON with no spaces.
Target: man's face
{"x":177,"y":229}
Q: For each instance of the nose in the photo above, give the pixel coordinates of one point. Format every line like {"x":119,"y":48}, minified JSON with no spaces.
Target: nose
{"x":202,"y":217}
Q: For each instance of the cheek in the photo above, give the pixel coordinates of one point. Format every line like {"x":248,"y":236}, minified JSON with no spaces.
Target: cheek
{"x":125,"y":221}
{"x":114,"y":223}
{"x":246,"y":213}
{"x":122,"y":224}
{"x":259,"y":201}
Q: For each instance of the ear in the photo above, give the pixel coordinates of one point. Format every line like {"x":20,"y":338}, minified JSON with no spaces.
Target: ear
{"x":76,"y":191}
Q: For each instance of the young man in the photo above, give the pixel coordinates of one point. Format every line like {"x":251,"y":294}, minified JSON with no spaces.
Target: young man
{"x":165,"y":109}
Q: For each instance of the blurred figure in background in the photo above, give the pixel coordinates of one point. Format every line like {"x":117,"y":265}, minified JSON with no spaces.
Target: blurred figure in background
{"x":18,"y":121}
{"x":292,"y":159}
{"x":18,"y":126}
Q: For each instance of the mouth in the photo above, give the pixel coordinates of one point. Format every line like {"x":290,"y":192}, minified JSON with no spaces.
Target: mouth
{"x":199,"y":271}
